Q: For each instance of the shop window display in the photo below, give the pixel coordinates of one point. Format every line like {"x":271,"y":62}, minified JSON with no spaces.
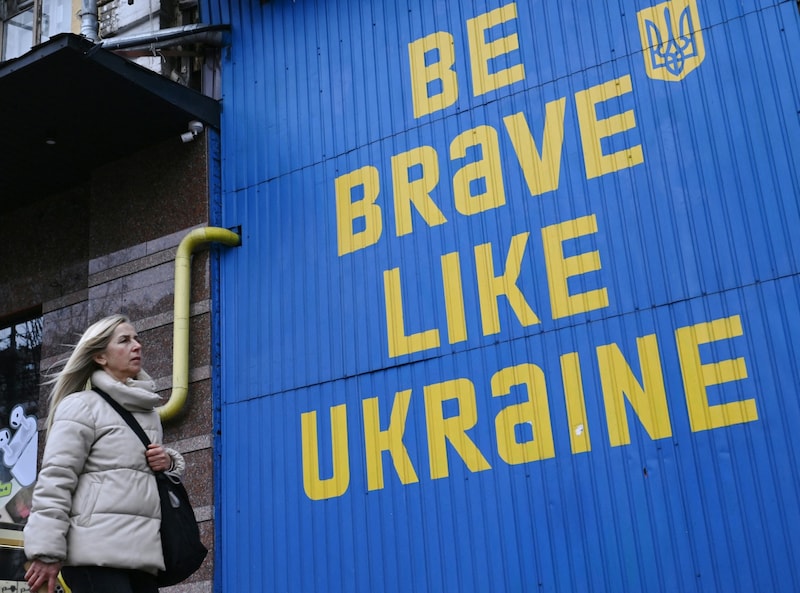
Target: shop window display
{"x":20,"y":354}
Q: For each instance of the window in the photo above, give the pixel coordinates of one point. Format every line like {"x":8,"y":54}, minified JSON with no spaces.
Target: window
{"x":17,"y":29}
{"x":20,"y":355}
{"x":22,"y":29}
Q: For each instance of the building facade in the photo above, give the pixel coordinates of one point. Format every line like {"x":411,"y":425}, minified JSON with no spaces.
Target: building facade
{"x":94,"y":206}
{"x":516,"y":306}
{"x":516,"y":302}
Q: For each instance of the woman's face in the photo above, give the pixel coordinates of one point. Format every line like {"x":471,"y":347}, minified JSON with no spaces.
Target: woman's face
{"x":122,"y":358}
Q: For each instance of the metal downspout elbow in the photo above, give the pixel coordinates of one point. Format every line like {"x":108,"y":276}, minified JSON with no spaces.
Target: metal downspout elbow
{"x":180,"y":338}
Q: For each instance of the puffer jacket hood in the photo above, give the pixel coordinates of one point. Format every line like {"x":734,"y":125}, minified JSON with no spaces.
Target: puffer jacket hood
{"x":95,"y":501}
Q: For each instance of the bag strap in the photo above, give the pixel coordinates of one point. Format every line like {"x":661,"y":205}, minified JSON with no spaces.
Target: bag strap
{"x":126,"y":416}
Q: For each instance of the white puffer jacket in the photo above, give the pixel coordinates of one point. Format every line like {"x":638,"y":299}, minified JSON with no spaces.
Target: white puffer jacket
{"x":95,"y":502}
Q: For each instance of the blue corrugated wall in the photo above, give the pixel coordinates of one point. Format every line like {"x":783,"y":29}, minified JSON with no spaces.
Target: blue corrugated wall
{"x":517,"y":306}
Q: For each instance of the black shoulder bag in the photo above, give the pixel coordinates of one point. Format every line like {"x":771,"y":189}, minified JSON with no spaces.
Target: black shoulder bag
{"x":180,"y":536}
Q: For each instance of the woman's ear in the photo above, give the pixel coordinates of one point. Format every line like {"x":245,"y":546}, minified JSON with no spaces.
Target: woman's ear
{"x":100,"y":359}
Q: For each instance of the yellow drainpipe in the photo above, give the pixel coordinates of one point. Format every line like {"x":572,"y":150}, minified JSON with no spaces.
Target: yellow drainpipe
{"x":180,"y":335}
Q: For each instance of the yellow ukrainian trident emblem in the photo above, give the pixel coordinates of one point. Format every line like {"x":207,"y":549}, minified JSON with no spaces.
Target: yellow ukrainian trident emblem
{"x":671,"y":39}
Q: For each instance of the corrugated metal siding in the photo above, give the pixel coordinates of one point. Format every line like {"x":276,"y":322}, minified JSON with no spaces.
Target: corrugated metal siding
{"x":701,"y":234}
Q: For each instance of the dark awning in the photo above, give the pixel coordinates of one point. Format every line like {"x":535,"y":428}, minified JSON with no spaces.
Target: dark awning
{"x":94,"y":105}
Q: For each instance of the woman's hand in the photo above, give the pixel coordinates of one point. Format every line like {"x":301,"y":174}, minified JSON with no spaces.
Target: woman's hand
{"x":157,"y":458}
{"x":41,"y":573}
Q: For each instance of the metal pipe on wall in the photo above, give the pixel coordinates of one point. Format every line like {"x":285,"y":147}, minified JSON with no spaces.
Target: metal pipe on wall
{"x":196,"y":33}
{"x":90,"y":27}
{"x":180,"y":352}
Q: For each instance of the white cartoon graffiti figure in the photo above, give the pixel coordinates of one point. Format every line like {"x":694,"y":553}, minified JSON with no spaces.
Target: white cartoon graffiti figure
{"x":20,"y":450}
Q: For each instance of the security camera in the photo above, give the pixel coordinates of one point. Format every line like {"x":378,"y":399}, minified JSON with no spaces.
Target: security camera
{"x":195,"y":128}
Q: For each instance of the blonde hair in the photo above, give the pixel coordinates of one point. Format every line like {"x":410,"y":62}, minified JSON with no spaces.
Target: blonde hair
{"x":80,"y":365}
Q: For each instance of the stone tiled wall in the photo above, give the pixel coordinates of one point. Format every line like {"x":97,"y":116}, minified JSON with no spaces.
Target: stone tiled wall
{"x":43,"y":251}
{"x":109,"y":247}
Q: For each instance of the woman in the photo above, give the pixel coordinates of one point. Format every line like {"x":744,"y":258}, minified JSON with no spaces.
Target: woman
{"x":95,"y":515}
